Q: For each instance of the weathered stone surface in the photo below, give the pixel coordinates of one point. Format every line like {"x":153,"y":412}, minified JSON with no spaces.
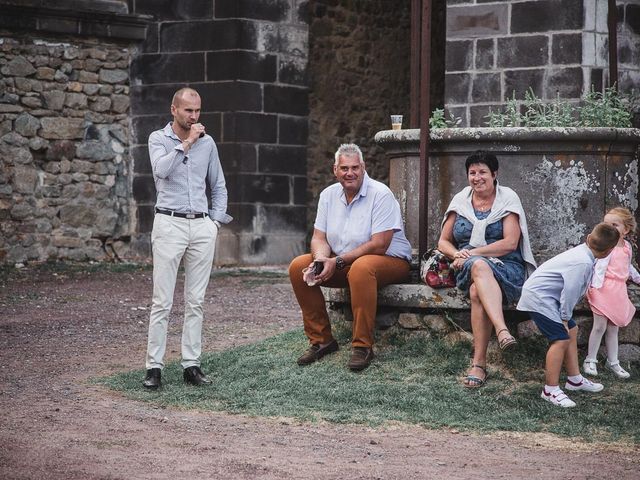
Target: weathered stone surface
{"x":629,"y":353}
{"x":106,"y":222}
{"x":100,"y":104}
{"x":16,"y":155}
{"x":63,"y":149}
{"x":437,"y":323}
{"x":67,"y":242}
{"x":82,"y":166}
{"x":45,"y":73}
{"x":630,"y":333}
{"x":20,"y":211}
{"x":457,"y":337}
{"x":87,"y":77}
{"x":5,"y":127}
{"x":19,"y":67}
{"x":91,"y":89}
{"x":120,"y":103}
{"x":74,"y":87}
{"x":54,"y":100}
{"x":62,"y":128}
{"x":113,"y":76}
{"x":38,"y":143}
{"x":27,"y":125}
{"x":5,"y":108}
{"x":25,"y":179}
{"x":14,"y":138}
{"x":75,"y":100}
{"x":386,"y":317}
{"x":527,"y":329}
{"x":410,"y":321}
{"x":95,"y":151}
{"x":33,"y":102}
{"x":76,"y":215}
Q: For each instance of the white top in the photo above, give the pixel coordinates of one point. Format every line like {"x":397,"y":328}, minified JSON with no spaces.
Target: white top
{"x":506,"y":202}
{"x":556,"y":287}
{"x":601,"y":268}
{"x":374,"y":209}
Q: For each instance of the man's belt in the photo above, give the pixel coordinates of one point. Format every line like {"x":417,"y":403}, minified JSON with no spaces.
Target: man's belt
{"x":181,"y":215}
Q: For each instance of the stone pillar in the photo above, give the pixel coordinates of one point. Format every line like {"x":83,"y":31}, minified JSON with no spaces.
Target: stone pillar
{"x":248,"y":61}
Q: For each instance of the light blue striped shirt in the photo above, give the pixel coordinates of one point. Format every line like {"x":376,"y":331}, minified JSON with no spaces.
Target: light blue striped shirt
{"x":556,"y":287}
{"x":181,"y":180}
{"x":374,"y":209}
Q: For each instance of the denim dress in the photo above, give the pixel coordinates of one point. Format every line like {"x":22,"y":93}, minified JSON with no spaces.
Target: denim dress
{"x":509,"y":271}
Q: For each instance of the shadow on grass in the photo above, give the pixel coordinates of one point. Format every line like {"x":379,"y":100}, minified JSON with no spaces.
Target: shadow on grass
{"x":414,"y":379}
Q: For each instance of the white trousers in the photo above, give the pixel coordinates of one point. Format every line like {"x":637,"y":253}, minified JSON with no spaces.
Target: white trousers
{"x":173,"y":239}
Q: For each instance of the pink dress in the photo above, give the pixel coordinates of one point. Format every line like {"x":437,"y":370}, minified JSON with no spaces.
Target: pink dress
{"x":612,"y":300}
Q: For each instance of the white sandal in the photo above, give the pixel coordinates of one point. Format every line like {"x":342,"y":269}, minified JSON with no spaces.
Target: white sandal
{"x":589,"y":367}
{"x":617,"y":370}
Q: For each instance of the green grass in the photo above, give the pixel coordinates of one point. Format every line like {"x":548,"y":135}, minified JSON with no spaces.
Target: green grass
{"x":414,"y":380}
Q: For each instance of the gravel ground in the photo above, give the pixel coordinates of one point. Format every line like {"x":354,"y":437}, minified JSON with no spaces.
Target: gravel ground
{"x":58,"y":330}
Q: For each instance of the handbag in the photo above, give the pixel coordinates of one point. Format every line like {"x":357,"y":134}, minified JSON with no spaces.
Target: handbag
{"x":436,"y":270}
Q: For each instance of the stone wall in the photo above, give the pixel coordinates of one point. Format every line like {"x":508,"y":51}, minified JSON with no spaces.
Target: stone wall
{"x":248,"y":60}
{"x":555,"y":47}
{"x":64,"y":168}
{"x":359,"y":73}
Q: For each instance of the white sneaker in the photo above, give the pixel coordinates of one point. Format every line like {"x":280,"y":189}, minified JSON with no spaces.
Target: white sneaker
{"x":558,"y":398}
{"x":585,"y":385}
{"x":589,"y":367}
{"x":617,"y":370}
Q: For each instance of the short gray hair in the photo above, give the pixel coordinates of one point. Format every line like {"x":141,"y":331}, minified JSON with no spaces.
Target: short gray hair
{"x":349,"y":150}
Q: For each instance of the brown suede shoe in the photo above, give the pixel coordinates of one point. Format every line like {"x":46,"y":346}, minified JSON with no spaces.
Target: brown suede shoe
{"x":316,"y":352}
{"x":360,"y":358}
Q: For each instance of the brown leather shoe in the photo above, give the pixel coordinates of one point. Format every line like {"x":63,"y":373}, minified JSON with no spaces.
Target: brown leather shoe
{"x":316,"y":352}
{"x":360,"y":358}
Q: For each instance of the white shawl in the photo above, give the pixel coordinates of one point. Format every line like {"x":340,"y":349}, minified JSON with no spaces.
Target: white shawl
{"x":506,"y":202}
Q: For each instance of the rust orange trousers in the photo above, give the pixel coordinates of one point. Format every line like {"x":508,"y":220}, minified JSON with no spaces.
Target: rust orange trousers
{"x":363,"y":277}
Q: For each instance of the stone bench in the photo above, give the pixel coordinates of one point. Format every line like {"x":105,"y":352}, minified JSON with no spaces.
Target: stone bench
{"x":418,"y":306}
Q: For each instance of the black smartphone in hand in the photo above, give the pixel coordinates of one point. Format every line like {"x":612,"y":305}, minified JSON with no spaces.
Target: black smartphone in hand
{"x":318,"y":267}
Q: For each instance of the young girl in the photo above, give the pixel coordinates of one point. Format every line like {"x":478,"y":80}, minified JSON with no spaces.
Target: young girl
{"x":608,"y":295}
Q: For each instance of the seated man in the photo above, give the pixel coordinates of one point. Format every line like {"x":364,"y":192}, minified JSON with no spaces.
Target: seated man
{"x":358,"y":241}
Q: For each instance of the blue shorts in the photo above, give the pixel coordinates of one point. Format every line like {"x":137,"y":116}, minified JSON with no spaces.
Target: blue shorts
{"x":551,"y":329}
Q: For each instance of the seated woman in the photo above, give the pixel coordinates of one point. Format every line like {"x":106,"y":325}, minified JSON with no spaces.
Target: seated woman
{"x":484,"y":232}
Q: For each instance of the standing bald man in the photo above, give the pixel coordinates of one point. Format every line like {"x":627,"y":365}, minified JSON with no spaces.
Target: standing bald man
{"x":184,"y":160}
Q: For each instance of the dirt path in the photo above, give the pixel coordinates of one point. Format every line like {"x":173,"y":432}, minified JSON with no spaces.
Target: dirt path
{"x":59,"y":330}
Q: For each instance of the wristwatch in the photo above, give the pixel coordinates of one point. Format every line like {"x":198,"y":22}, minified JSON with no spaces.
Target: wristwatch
{"x":340,"y":264}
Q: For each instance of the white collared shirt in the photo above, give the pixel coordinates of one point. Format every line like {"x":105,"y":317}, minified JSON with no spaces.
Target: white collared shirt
{"x":373,"y":210}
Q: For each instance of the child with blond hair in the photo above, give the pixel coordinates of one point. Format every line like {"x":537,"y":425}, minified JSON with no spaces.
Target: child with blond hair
{"x":549,"y":296}
{"x":608,"y":296}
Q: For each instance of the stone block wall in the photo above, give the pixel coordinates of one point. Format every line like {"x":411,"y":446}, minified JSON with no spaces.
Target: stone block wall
{"x":556,"y":47}
{"x":248,"y":59}
{"x":64,"y":168}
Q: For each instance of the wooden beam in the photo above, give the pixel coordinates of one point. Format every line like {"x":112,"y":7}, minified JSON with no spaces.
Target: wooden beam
{"x":414,"y":97}
{"x":425,"y":109}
